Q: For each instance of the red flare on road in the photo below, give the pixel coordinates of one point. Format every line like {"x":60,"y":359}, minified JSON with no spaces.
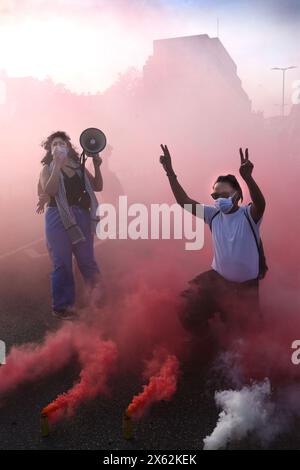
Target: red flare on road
{"x":98,"y":360}
{"x":162,"y":386}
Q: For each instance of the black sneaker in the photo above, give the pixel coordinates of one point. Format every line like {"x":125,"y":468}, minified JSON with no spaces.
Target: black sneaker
{"x":65,"y":313}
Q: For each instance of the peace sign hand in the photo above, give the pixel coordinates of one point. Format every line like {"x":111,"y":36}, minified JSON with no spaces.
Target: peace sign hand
{"x":246,"y":166}
{"x":165,"y":159}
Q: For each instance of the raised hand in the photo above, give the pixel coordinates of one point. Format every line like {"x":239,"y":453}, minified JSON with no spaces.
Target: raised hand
{"x":97,"y":160}
{"x":180,"y":195}
{"x":165,"y":159}
{"x":246,"y":167}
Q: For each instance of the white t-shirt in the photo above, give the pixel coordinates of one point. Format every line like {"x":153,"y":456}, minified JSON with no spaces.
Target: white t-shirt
{"x":235,"y":252}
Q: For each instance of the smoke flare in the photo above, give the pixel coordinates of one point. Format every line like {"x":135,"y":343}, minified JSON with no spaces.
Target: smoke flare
{"x":162,"y":386}
{"x":98,"y":361}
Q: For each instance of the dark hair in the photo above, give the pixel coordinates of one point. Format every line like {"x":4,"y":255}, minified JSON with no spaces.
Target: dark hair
{"x":46,"y":144}
{"x":231,"y":179}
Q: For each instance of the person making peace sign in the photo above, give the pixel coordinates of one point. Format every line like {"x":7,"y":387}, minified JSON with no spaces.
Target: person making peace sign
{"x":232,"y":283}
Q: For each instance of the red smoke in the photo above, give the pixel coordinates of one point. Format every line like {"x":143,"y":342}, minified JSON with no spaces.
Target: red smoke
{"x":98,"y":361}
{"x":163,"y":370}
{"x":30,"y":362}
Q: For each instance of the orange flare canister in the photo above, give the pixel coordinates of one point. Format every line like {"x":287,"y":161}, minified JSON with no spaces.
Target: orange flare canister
{"x":127,"y":426}
{"x":51,"y":408}
{"x":44,"y":424}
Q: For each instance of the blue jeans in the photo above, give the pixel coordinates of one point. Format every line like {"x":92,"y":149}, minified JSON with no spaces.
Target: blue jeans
{"x":61,"y":249}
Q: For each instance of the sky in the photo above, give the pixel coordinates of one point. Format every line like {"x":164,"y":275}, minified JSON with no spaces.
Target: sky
{"x":86,"y":44}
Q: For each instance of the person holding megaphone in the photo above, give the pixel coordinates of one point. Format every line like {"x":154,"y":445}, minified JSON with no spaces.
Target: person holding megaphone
{"x":69,"y":189}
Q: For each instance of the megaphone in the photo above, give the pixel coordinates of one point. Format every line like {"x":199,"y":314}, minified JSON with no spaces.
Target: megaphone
{"x":92,"y":140}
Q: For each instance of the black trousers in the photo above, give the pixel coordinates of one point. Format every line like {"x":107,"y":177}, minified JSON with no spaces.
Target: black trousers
{"x":209,"y":294}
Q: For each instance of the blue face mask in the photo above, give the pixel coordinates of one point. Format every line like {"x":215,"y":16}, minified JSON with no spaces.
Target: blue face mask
{"x":224,"y":204}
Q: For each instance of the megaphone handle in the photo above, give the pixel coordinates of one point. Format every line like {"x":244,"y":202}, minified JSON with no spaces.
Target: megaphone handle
{"x":83,"y":169}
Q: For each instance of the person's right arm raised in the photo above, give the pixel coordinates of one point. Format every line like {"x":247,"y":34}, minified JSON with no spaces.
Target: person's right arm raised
{"x":180,"y":195}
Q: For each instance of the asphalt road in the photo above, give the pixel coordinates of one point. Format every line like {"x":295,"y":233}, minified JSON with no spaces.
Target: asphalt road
{"x":179,"y":424}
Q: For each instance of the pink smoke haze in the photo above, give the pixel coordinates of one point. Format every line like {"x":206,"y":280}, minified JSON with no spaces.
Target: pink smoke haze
{"x":185,"y":92}
{"x":31,"y":362}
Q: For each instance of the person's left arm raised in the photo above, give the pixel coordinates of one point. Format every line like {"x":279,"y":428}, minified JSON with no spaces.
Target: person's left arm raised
{"x":258,"y":201}
{"x":97,"y":180}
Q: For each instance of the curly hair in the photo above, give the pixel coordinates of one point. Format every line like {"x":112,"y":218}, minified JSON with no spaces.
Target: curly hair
{"x":46,"y":144}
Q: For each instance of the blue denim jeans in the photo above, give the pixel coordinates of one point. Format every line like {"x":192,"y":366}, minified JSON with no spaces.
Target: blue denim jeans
{"x":61,"y":250}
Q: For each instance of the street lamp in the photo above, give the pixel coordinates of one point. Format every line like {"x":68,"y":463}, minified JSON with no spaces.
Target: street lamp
{"x":283,"y":69}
